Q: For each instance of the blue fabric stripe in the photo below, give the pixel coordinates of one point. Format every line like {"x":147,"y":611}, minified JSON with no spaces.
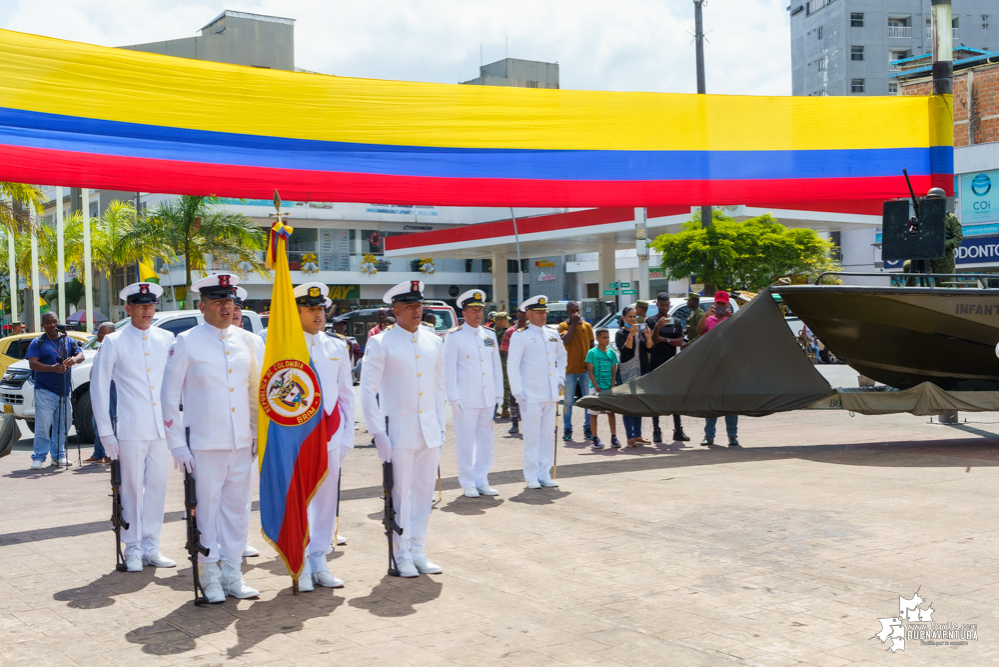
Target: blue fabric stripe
{"x":277,"y":469}
{"x":70,"y":133}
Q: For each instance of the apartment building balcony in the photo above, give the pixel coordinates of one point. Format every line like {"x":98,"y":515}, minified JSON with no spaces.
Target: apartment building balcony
{"x":900,"y":32}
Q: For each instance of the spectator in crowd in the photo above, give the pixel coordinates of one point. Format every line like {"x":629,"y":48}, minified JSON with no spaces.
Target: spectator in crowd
{"x":509,"y":402}
{"x":577,"y":336}
{"x":684,"y":312}
{"x":381,"y":315}
{"x":99,"y":455}
{"x":51,"y":356}
{"x":634,"y":343}
{"x":491,"y":321}
{"x":717,"y":314}
{"x":641,"y":310}
{"x":429,"y":319}
{"x":601,"y":367}
{"x":501,"y":322}
{"x":355,"y":349}
{"x":17,"y":328}
{"x":667,"y":337}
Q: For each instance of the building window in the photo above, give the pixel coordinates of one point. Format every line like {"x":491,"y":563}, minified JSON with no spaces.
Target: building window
{"x":900,"y":27}
{"x":822,"y":65}
{"x":856,"y":85}
{"x":856,"y":19}
{"x":893,"y":87}
{"x":815,"y":5}
{"x":820,"y":33}
{"x":856,"y":53}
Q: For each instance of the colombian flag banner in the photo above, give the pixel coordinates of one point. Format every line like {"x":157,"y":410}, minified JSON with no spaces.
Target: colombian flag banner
{"x":70,"y":114}
{"x":292,"y":432}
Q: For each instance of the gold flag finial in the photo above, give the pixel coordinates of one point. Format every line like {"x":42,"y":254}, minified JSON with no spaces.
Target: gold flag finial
{"x":277,"y":200}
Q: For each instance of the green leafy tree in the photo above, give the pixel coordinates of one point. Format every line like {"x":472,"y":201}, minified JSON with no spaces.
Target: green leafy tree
{"x":201,"y":227}
{"x":15,"y":199}
{"x":749,"y":255}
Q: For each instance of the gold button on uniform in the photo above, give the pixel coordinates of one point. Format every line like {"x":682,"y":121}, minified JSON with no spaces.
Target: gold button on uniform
{"x":421,"y":393}
{"x":227,"y":352}
{"x":234,"y":409}
{"x":231,"y":389}
{"x":230,"y":370}
{"x":147,"y":354}
{"x":149,"y":370}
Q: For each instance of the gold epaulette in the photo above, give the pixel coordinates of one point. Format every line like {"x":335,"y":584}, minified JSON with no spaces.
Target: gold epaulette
{"x":453,"y":329}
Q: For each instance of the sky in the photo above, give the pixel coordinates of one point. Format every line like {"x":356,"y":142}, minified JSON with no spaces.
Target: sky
{"x":619,"y":45}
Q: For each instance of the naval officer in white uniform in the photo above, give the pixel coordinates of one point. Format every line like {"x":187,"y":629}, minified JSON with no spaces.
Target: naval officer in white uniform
{"x":331,"y":359}
{"x":403,"y":381}
{"x":474,"y":378}
{"x":134,"y":357}
{"x":536,"y":366}
{"x":214,"y":370}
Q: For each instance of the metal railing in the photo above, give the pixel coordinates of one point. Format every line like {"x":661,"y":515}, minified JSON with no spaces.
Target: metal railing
{"x":899,"y":31}
{"x":981,"y":280}
{"x":955,"y":32}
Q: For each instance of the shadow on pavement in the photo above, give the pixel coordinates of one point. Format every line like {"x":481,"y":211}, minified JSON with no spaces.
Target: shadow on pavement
{"x":179,"y":631}
{"x":101,"y":593}
{"x":463,"y":506}
{"x":398,"y":596}
{"x":545,"y":496}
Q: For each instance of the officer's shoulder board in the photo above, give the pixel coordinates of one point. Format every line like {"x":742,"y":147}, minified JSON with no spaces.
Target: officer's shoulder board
{"x":453,"y":329}
{"x":333,"y":334}
{"x":386,"y":328}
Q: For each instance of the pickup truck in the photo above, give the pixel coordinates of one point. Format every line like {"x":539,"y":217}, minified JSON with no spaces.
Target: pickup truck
{"x":17,"y":389}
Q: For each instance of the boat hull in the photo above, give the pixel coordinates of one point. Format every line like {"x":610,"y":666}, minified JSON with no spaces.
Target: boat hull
{"x":906,"y":335}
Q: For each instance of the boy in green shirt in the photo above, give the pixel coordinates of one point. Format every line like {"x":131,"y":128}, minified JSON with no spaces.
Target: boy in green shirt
{"x":601,"y":364}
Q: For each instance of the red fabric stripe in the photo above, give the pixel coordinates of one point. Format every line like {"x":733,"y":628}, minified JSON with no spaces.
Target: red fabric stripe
{"x":311,"y":466}
{"x":32,"y":165}
{"x":332,"y":421}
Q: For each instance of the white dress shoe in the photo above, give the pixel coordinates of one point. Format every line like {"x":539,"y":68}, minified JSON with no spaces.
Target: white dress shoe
{"x":250,"y":551}
{"x":53,"y":463}
{"x":548,"y":482}
{"x":426,"y":567}
{"x":133,"y":563}
{"x":321,"y":572}
{"x":233,"y":583}
{"x":158,"y":560}
{"x":488,"y":491}
{"x":64,"y":461}
{"x":340,"y":539}
{"x":534,"y":485}
{"x":407,"y":569}
{"x":211,"y":580}
{"x":36,"y":465}
{"x":305,"y":579}
{"x":471,"y":493}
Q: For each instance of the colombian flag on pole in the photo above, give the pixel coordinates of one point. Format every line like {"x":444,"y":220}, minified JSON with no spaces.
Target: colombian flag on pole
{"x":292,"y":432}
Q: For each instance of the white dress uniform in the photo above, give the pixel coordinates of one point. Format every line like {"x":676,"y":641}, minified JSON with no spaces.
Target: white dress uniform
{"x":474,"y":379}
{"x":403,"y":380}
{"x":135,"y":359}
{"x":331,"y":358}
{"x":536,"y":367}
{"x":215,"y":373}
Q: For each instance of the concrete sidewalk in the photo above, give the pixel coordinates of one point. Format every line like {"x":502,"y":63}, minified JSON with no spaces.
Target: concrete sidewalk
{"x":784,"y":552}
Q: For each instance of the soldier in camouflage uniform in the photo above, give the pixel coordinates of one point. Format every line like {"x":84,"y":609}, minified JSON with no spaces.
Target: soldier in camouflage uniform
{"x":953,"y":235}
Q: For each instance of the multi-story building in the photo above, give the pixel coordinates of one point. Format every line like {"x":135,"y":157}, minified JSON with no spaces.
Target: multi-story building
{"x":844,"y":47}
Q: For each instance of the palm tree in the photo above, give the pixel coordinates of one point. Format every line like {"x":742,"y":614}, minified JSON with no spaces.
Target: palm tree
{"x":14,"y":201}
{"x":199,"y":227}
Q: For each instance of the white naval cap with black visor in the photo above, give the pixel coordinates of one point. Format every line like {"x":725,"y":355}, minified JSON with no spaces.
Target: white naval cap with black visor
{"x":141,"y":293}
{"x":410,"y":291}
{"x":312,"y":294}
{"x":218,"y":286}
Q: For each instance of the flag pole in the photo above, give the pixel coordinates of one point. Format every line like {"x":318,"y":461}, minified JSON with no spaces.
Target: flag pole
{"x":60,"y":257}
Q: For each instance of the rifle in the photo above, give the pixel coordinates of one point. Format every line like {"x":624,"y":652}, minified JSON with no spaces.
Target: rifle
{"x":194,"y":546}
{"x":388,"y":520}
{"x":117,"y":517}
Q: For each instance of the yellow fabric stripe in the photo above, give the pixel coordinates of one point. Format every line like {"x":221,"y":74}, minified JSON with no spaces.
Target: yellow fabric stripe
{"x":54,"y":76}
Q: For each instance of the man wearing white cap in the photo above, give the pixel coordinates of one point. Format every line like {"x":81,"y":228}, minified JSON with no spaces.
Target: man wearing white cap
{"x":214,"y":370}
{"x":536,"y":365}
{"x":403,"y":384}
{"x":134,"y":357}
{"x":474,"y":380}
{"x":331,"y":359}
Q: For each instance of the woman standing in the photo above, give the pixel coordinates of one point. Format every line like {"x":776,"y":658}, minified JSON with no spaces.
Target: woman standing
{"x":634,"y":342}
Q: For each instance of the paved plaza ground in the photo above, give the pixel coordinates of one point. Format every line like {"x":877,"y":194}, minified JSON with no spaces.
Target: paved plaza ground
{"x":784,"y":552}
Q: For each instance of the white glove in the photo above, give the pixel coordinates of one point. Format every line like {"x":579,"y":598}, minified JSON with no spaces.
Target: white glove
{"x":456,"y":409}
{"x":384,"y":447}
{"x":521,"y":400}
{"x":254,"y":448}
{"x":182,"y":457}
{"x":111,"y":448}
{"x":343,"y":453}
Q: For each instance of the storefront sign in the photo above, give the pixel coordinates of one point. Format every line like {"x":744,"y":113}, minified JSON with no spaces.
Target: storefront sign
{"x":978,"y":251}
{"x":656,"y":275}
{"x":980,"y":197}
{"x":343,"y":292}
{"x":546,"y":277}
{"x":544,"y":263}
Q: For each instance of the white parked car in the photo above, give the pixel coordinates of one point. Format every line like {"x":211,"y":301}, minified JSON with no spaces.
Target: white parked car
{"x":17,"y":389}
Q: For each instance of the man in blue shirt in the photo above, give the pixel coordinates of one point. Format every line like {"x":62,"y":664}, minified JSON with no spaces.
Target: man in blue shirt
{"x":51,"y":356}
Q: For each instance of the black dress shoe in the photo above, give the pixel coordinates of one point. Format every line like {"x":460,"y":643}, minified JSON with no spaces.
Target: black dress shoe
{"x":734,"y":442}
{"x":707,"y":442}
{"x":657,"y":436}
{"x":513,"y":429}
{"x":680,"y":436}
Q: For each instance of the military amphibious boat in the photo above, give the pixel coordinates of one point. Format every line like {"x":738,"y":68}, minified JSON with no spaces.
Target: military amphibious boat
{"x":902,"y":336}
